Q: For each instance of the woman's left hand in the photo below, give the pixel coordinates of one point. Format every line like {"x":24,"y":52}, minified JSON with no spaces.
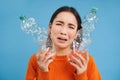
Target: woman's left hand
{"x":78,"y":61}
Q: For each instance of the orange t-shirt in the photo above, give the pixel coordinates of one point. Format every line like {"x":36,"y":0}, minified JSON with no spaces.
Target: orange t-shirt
{"x":61,"y":69}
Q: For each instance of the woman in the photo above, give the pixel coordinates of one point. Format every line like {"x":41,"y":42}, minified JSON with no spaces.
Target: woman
{"x":60,"y":61}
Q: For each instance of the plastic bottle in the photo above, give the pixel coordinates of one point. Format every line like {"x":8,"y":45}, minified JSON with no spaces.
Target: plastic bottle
{"x":30,"y":26}
{"x":89,"y":21}
{"x":88,"y":25}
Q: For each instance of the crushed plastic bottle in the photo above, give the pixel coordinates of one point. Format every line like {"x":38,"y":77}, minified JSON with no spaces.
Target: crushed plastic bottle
{"x":30,"y":26}
{"x":88,"y":25}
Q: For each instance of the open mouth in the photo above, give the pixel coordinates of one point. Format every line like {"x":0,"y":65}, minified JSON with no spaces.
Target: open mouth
{"x":62,"y":39}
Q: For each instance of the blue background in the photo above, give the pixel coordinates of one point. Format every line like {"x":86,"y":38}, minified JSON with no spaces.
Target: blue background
{"x":16,"y":47}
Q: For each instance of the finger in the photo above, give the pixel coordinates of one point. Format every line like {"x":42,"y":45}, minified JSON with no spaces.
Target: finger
{"x":74,"y":64}
{"x":49,"y":56}
{"x":74,"y":53}
{"x":38,"y":54}
{"x":80,"y":57}
{"x":49,"y":61}
{"x":74,"y":50}
{"x":77,"y":61}
{"x":42,"y":55}
{"x":45,"y":52}
{"x":84,"y":59}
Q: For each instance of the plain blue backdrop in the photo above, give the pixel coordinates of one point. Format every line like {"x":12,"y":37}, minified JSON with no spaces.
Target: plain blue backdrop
{"x":16,"y":47}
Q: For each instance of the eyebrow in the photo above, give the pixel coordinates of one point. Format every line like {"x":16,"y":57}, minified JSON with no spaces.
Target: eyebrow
{"x":60,"y":21}
{"x":68,"y":24}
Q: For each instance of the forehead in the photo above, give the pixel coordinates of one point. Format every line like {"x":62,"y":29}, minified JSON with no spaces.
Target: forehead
{"x":66,"y":16}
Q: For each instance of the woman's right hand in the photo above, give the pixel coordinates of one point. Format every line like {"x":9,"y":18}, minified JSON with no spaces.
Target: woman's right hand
{"x":44,"y":59}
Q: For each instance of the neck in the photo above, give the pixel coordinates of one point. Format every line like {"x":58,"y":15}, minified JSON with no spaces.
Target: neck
{"x":62,"y":51}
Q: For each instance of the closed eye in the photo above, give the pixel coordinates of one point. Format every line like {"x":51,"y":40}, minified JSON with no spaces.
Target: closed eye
{"x":58,"y":24}
{"x":71,"y":27}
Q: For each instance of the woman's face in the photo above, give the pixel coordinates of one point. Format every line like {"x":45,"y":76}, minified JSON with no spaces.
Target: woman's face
{"x":63,"y":30}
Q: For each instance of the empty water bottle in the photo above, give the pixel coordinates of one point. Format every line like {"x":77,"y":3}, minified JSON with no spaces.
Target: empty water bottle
{"x":88,"y":25}
{"x":30,"y":26}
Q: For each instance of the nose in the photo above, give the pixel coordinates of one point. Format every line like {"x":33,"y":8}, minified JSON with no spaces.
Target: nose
{"x":63,"y":31}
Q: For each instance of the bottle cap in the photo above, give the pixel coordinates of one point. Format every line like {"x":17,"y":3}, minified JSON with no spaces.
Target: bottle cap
{"x":94,"y":9}
{"x":22,"y":17}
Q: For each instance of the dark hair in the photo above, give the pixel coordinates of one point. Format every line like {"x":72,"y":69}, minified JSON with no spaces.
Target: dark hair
{"x":77,"y":16}
{"x":67,"y":9}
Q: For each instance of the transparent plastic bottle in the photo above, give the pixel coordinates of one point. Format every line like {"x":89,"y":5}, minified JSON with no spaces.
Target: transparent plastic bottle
{"x":88,"y":25}
{"x":89,"y":21}
{"x":30,"y":26}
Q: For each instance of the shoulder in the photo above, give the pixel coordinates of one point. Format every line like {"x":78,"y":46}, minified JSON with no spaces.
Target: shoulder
{"x":91,"y":58}
{"x":84,"y":54}
{"x":92,"y":63}
{"x":33,"y":60}
{"x":92,"y":68}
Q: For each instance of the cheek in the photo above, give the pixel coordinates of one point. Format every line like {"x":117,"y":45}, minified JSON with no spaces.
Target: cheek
{"x":54,"y":30}
{"x":72,"y":34}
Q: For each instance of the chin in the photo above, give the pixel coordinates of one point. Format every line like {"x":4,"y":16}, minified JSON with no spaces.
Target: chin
{"x":62,"y":46}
